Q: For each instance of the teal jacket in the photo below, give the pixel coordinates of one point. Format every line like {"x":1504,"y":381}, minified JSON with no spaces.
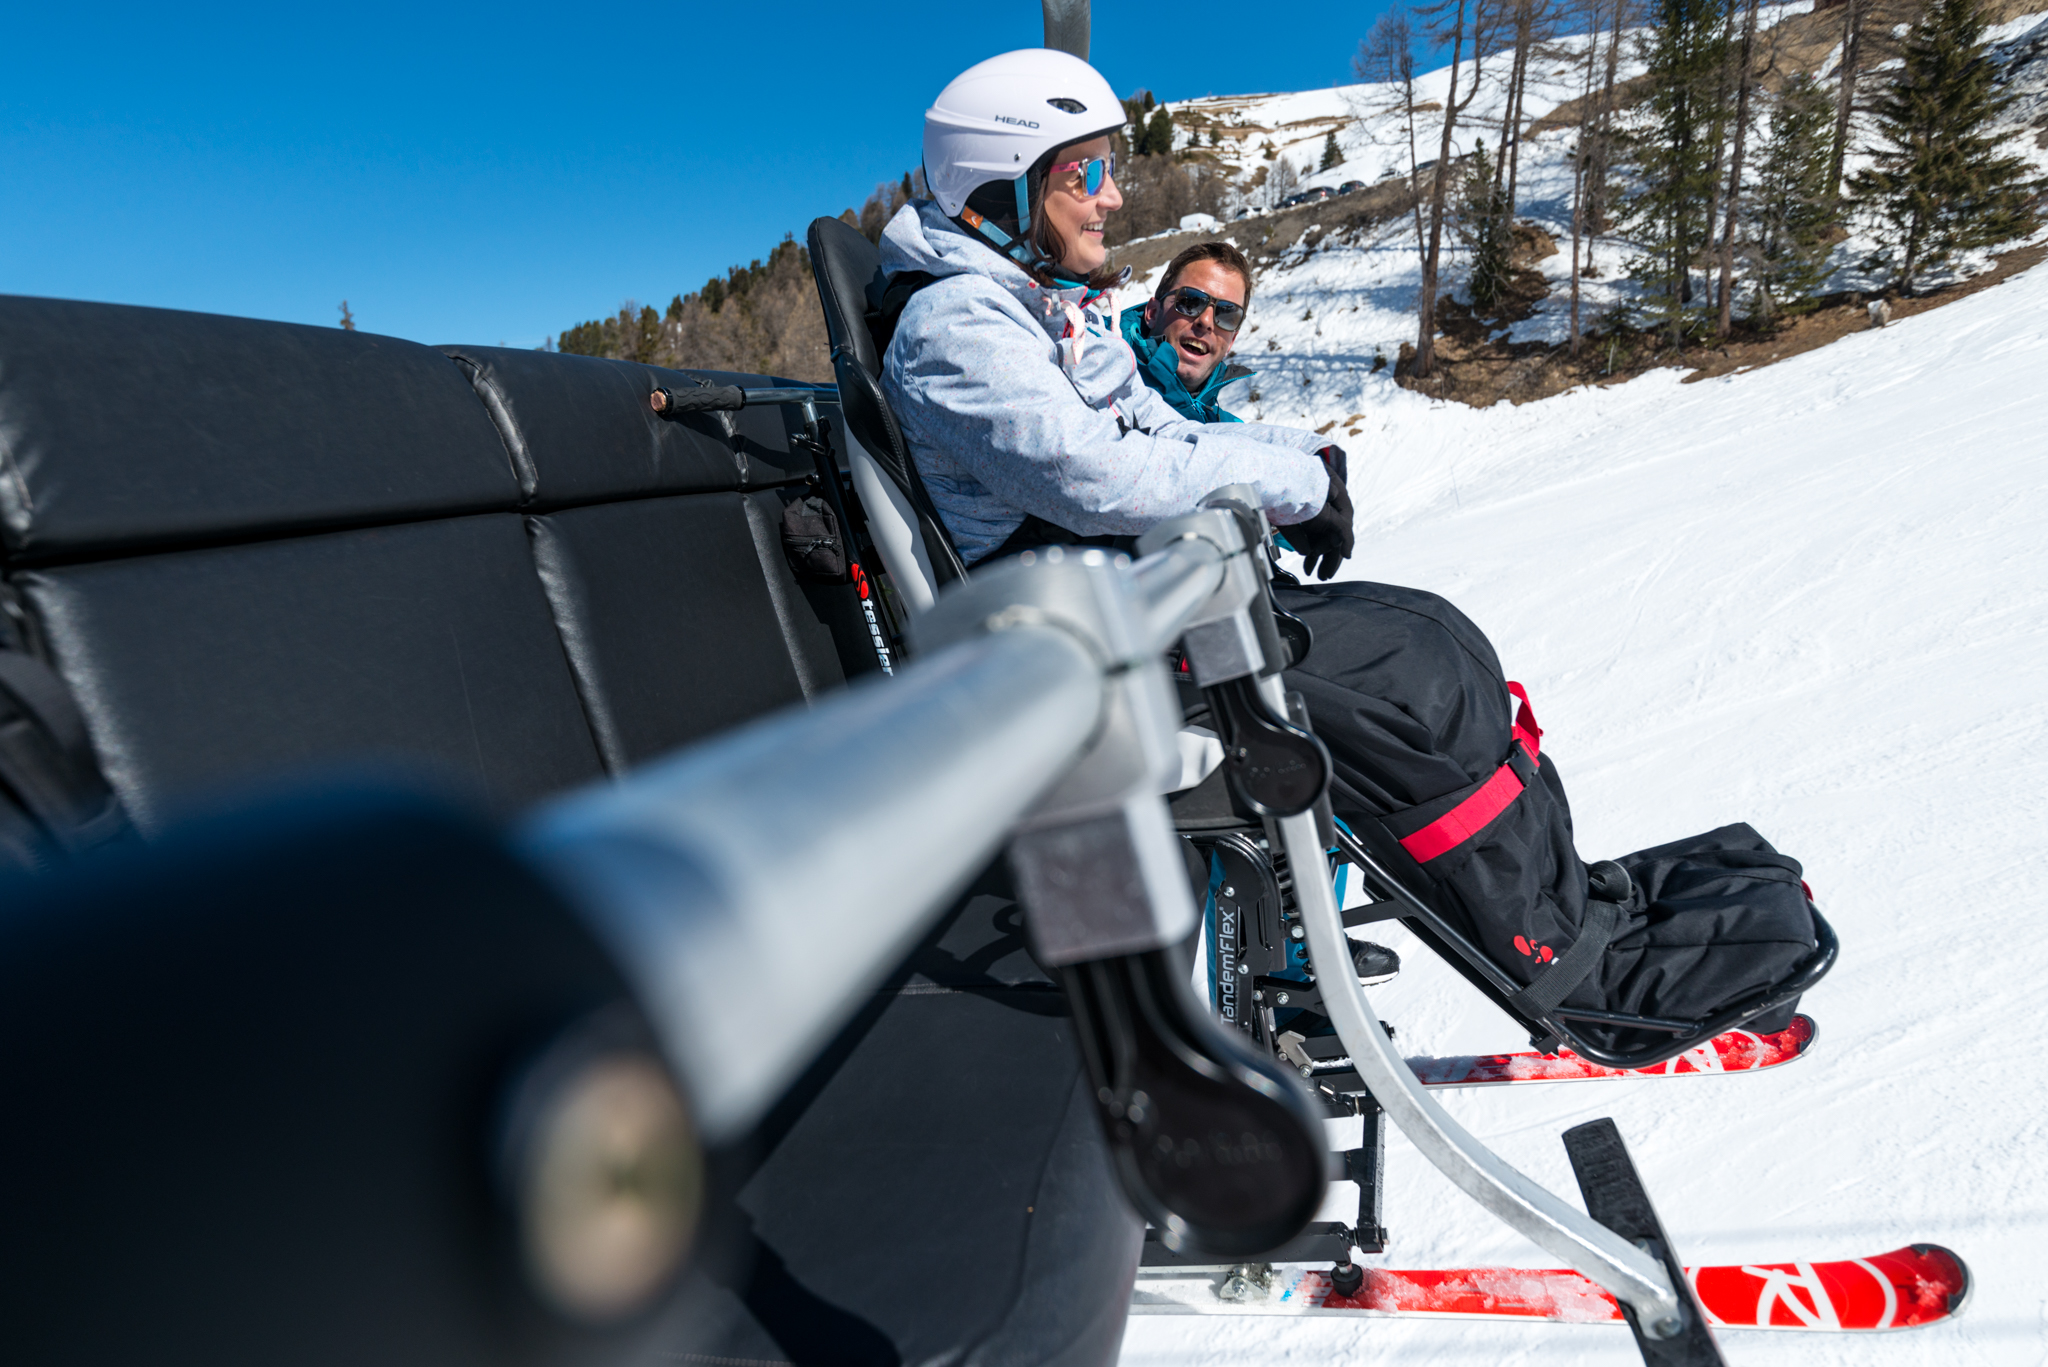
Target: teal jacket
{"x":1159,"y":366}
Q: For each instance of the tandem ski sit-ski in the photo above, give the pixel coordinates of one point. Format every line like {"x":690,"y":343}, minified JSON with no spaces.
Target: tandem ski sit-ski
{"x":1265,"y":933}
{"x":1214,"y":1109}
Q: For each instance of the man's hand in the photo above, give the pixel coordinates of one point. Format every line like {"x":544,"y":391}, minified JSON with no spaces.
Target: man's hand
{"x":1325,"y":540}
{"x":1333,"y":461}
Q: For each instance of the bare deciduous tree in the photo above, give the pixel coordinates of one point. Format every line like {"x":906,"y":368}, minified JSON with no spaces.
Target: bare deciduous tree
{"x":1454,"y":24}
{"x":1594,"y":16}
{"x":1745,"y":79}
{"x":1387,"y":59}
{"x":1845,"y":90}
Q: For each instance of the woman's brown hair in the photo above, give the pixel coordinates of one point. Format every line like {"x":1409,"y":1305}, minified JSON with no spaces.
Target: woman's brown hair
{"x":995,"y":200}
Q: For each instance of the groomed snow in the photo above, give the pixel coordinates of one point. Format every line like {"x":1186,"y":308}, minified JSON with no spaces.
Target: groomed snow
{"x":1813,"y":597}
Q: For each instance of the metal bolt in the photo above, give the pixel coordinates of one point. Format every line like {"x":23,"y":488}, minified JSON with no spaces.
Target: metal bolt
{"x":1280,"y":997}
{"x":1244,"y":968}
{"x":1229,"y":891}
{"x":1298,"y":932}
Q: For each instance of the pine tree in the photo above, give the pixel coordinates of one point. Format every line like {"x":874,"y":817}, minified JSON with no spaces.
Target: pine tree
{"x":1155,"y":137}
{"x":1675,"y":155}
{"x":1482,"y":225}
{"x":1331,"y":155}
{"x":1940,"y":185}
{"x":1793,"y":208}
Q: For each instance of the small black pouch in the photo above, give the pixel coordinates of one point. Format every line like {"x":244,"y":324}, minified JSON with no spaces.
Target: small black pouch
{"x":811,"y":539}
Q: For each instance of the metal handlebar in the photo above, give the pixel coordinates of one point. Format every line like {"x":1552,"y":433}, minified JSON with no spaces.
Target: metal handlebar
{"x":1028,"y":711}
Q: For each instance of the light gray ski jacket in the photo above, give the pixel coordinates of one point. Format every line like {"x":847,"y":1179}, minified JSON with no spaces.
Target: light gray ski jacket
{"x":1015,"y":400}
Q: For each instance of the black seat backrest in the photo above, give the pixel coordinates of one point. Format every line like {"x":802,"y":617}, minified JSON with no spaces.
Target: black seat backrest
{"x":850,"y":284}
{"x":246,"y":547}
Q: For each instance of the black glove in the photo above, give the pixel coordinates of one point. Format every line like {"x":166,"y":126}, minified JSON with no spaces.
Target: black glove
{"x":1325,"y":540}
{"x":1334,"y":462}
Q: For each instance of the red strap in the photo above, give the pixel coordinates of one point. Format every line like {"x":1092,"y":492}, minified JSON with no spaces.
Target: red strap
{"x":1465,"y":820}
{"x":1526,"y":729}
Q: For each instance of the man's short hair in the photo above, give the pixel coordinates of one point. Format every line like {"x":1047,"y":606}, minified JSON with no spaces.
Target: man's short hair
{"x":1217,"y":250}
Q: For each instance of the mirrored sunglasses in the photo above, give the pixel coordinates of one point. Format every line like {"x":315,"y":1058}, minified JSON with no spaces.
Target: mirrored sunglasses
{"x":1093,"y":173}
{"x":1189,"y":302}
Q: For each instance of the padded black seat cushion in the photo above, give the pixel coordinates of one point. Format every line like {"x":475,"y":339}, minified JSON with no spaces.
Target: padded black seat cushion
{"x":129,"y":427}
{"x":669,"y":622}
{"x":430,"y":643}
{"x":998,"y":1234}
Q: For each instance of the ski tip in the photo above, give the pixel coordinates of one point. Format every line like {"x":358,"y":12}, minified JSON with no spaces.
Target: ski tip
{"x":1944,"y":1275}
{"x":1803,"y":1031}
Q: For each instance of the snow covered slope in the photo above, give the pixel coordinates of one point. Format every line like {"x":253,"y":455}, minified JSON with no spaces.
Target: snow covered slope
{"x":1813,"y":597}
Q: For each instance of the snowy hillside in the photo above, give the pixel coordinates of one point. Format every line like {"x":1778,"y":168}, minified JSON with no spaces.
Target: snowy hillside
{"x":1330,"y":303}
{"x":1813,"y":597}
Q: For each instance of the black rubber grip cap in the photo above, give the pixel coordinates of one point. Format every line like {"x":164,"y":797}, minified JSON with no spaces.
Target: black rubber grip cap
{"x":717,"y":398}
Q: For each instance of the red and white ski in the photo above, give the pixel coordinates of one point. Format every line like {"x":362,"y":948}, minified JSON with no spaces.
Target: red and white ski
{"x":1738,"y":1051}
{"x":1904,"y":1289}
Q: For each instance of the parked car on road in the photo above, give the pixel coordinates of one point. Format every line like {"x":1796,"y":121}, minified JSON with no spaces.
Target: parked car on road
{"x":1348,"y":186}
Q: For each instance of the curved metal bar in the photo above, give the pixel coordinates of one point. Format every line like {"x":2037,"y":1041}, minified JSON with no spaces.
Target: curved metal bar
{"x":1596,"y":1251}
{"x":1174,"y":581}
{"x":798,"y":859}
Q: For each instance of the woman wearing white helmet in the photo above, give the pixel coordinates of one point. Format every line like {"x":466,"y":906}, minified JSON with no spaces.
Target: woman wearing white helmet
{"x":1025,"y":413}
{"x":1021,"y":404}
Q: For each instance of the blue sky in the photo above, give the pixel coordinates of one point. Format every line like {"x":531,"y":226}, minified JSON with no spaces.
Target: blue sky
{"x":496,"y":173}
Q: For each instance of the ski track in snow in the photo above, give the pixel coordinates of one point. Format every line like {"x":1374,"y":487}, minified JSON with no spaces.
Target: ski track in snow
{"x":1810,"y":597}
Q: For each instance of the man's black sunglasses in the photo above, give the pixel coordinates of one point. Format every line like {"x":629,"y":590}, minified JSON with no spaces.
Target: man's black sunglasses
{"x":1189,"y":302}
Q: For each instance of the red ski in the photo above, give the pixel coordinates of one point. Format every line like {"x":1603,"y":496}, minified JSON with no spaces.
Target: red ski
{"x":1738,"y":1051}
{"x":1904,"y":1289}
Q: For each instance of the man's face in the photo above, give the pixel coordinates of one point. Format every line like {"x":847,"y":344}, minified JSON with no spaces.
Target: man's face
{"x":1200,"y":343}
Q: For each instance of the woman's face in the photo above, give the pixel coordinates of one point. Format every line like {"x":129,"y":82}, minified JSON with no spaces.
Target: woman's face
{"x":1075,"y":214}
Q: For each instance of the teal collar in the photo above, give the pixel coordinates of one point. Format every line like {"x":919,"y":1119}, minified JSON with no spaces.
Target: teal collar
{"x":1159,"y":363}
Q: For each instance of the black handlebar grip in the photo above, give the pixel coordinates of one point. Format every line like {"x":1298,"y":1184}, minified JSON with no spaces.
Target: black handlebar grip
{"x":717,"y":398}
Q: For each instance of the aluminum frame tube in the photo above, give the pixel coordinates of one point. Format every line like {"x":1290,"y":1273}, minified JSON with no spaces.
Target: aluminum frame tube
{"x":1173,"y":583}
{"x":756,"y":888}
{"x":1599,"y":1253}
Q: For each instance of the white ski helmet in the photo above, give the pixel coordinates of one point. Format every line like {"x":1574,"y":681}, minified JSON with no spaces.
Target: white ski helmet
{"x":1000,"y":118}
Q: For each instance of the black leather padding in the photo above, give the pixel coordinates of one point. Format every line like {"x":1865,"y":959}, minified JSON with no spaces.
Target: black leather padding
{"x":848,"y":270}
{"x":807,"y":631}
{"x":123,"y":428}
{"x":667,"y":620}
{"x":580,"y":429}
{"x":257,"y":1073}
{"x":936,"y":1188}
{"x":427,"y":644}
